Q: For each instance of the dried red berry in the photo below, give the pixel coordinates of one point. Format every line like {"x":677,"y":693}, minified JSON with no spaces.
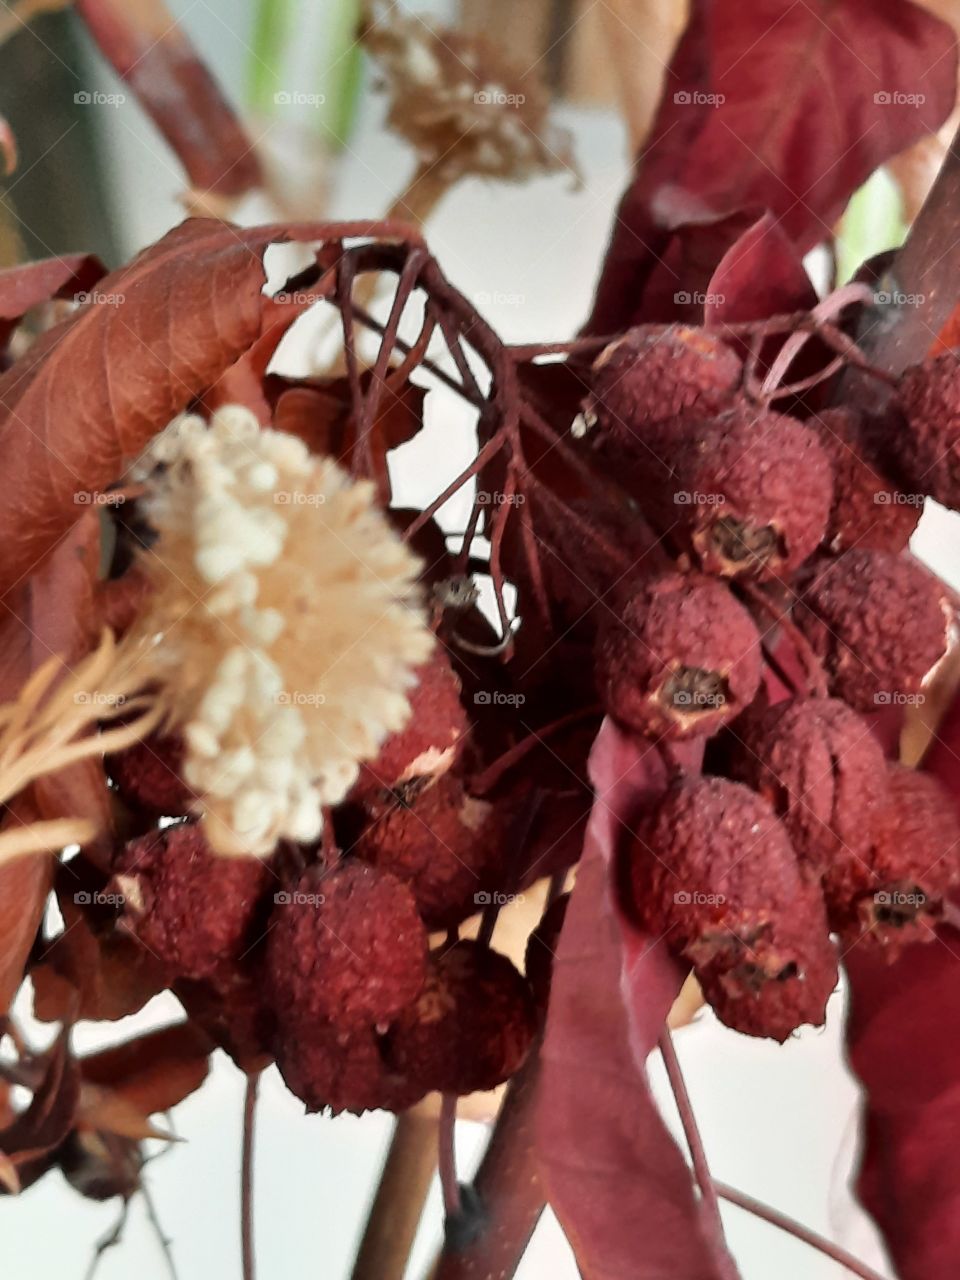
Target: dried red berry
{"x":651,"y":376}
{"x":752,"y":491}
{"x":820,"y":768}
{"x":894,"y":893}
{"x":147,"y":775}
{"x":928,"y":452}
{"x":869,"y":511}
{"x":192,"y":909}
{"x":432,"y":740}
{"x":472,"y":1026}
{"x":346,"y":946}
{"x":714,"y":873}
{"x":682,"y":659}
{"x":343,"y":1070}
{"x":445,"y":844}
{"x":877,"y":623}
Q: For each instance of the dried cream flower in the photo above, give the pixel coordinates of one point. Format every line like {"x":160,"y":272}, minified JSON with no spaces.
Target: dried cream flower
{"x":283,"y":622}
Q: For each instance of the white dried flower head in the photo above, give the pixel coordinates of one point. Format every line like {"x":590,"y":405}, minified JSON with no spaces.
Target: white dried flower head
{"x":284,"y":625}
{"x":459,"y":103}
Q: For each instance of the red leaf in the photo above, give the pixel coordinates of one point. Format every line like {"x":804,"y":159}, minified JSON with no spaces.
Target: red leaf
{"x":143,"y":41}
{"x":761,"y":275}
{"x":778,"y":106}
{"x":614,"y":1176}
{"x":24,"y":886}
{"x":22,"y":288}
{"x":94,"y":390}
{"x":155,"y":1071}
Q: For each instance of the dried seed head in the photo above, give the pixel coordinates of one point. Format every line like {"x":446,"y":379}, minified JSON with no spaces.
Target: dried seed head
{"x":869,"y":510}
{"x":346,"y":947}
{"x":928,"y":452}
{"x":822,"y":771}
{"x":894,"y":893}
{"x":446,"y":845}
{"x":472,"y":1026}
{"x":281,"y":626}
{"x":651,"y":377}
{"x":714,"y":873}
{"x":192,"y":910}
{"x":877,"y":623}
{"x":752,"y":491}
{"x":682,"y":659}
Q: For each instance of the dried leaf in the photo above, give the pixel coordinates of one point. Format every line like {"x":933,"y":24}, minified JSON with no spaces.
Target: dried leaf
{"x":760,"y":275}
{"x":615,"y":1178}
{"x":107,"y":1111}
{"x":27,"y":286}
{"x":866,"y":78}
{"x":49,"y":1117}
{"x":153,"y":1072}
{"x":24,"y":887}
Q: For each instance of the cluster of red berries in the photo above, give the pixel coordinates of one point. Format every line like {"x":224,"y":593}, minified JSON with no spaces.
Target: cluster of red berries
{"x":783,"y":533}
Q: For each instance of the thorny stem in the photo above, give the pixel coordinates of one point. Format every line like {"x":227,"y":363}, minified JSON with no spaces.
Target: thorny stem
{"x":447,"y":1151}
{"x":798,"y":1230}
{"x":246,"y":1176}
{"x":695,"y":1143}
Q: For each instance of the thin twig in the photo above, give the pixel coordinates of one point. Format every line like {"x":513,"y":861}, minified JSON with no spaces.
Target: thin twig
{"x":246,"y":1176}
{"x":408,"y":1170}
{"x":446,"y":1141}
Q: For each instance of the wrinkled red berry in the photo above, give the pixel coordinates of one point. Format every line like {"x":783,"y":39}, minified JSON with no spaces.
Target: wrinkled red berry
{"x":651,"y":376}
{"x":877,"y":623}
{"x":682,"y":659}
{"x":752,"y":491}
{"x":345,"y":946}
{"x":820,"y":768}
{"x":147,"y":775}
{"x":343,"y":1070}
{"x":869,"y":511}
{"x":445,"y":844}
{"x":192,"y":909}
{"x":714,"y":874}
{"x":928,"y":451}
{"x":471,"y":1027}
{"x":894,"y":892}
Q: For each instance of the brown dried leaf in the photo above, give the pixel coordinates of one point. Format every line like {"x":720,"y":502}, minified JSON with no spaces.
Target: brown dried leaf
{"x":152,"y":1072}
{"x":49,"y":1117}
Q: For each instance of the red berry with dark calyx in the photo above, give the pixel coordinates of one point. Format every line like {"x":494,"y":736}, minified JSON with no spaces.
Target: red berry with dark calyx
{"x":820,"y":768}
{"x":431,"y":742}
{"x":147,"y":776}
{"x":713,"y":872}
{"x":471,"y":1027}
{"x":869,"y":510}
{"x":338,"y":1069}
{"x":652,"y":376}
{"x":927,"y":453}
{"x":682,"y":658}
{"x":346,"y":946}
{"x":190,"y":908}
{"x":895,"y":892}
{"x":752,"y":492}
{"x":446,"y":845}
{"x":877,"y":623}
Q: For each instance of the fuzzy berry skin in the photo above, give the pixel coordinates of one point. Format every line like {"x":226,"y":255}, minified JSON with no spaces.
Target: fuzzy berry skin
{"x":347,"y":946}
{"x":432,"y":740}
{"x":752,"y":491}
{"x":928,"y":452}
{"x":894,"y":893}
{"x":328,"y":1067}
{"x":147,"y":775}
{"x":190,"y":908}
{"x":472,"y":1026}
{"x":682,"y":659}
{"x":712,"y":871}
{"x":876,"y":621}
{"x":869,"y":511}
{"x":654,"y":376}
{"x":447,"y":846}
{"x":822,"y":771}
